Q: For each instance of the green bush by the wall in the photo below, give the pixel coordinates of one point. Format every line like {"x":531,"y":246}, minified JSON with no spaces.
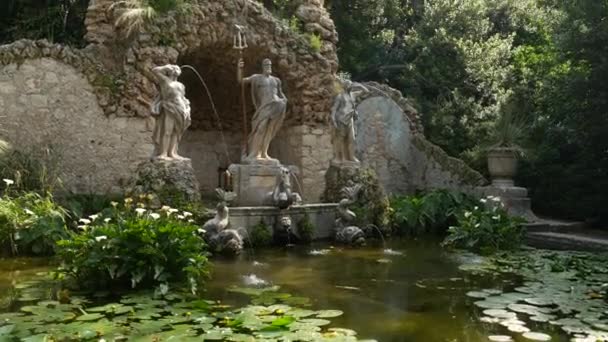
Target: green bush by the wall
{"x":261,"y":235}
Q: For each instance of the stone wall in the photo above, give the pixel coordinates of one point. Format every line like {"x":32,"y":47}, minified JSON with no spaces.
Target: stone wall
{"x":94,"y":102}
{"x":107,"y":110}
{"x":388,"y":141}
{"x":45,"y":102}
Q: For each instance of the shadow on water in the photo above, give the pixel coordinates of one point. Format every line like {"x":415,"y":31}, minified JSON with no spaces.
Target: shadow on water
{"x":415,"y":292}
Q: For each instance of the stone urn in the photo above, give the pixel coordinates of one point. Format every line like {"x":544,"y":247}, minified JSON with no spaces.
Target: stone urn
{"x":502,"y":165}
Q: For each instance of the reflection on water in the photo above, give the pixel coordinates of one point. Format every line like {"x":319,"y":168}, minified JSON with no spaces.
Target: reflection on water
{"x":419,"y":295}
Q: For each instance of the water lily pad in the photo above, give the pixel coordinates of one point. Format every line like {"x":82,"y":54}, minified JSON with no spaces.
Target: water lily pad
{"x":512,"y":321}
{"x":342,"y":331}
{"x":283,"y":321}
{"x":528,"y":309}
{"x":301,"y":313}
{"x":90,"y":317}
{"x":484,"y":304}
{"x":541,"y":318}
{"x":477,"y":294}
{"x":49,"y":303}
{"x":534,"y":336}
{"x":36,"y":338}
{"x":500,"y":338}
{"x":60,"y":316}
{"x":6,"y":330}
{"x":499,"y":313}
{"x":314,"y":321}
{"x":517,"y":328}
{"x":108,"y":308}
{"x":492,"y":291}
{"x":567,"y":321}
{"x":490,"y":320}
{"x":575,"y":329}
{"x":539,"y":301}
{"x":329,"y":313}
{"x":148,"y":327}
{"x":601,"y":326}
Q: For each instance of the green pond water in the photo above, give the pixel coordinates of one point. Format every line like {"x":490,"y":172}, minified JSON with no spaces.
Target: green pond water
{"x":417,"y":293}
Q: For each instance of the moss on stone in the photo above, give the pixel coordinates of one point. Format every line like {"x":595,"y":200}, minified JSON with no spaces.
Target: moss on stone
{"x":457,"y":167}
{"x":306,"y":230}
{"x":260,"y":235}
{"x":372,"y":203}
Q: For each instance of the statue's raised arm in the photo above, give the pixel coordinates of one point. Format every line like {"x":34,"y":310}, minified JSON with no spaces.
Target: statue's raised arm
{"x":173,"y":110}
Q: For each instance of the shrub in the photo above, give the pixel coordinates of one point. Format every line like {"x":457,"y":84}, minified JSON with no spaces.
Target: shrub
{"x":315,"y":42}
{"x":487,"y":228}
{"x":137,"y":246}
{"x":432,"y":212}
{"x":261,"y":235}
{"x":31,"y":223}
{"x":306,"y":230}
{"x":32,"y":169}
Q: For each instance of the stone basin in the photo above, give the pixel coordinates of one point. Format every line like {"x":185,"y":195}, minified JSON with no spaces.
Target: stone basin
{"x":322,"y":216}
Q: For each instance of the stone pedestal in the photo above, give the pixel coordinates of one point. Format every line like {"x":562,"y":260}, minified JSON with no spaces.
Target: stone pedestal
{"x":172,"y":181}
{"x":515,"y":198}
{"x":254,"y":182}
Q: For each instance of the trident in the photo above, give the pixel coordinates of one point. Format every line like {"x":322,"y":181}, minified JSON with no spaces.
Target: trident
{"x":240,"y":44}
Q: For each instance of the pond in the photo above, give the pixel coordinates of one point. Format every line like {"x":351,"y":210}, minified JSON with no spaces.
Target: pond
{"x":411,"y":291}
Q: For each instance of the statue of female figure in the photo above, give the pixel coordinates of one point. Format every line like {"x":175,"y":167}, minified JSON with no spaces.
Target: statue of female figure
{"x":343,"y":116}
{"x":172,"y":111}
{"x":270,"y":104}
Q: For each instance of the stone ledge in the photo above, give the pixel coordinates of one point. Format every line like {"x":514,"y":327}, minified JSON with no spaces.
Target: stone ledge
{"x":322,"y":216}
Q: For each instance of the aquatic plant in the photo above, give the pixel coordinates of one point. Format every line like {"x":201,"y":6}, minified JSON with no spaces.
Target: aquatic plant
{"x":487,"y":228}
{"x":563,"y":290}
{"x":261,"y":235}
{"x":306,"y":230}
{"x":178,"y":316}
{"x":30,"y":223}
{"x":431,"y":212}
{"x":130,"y":244}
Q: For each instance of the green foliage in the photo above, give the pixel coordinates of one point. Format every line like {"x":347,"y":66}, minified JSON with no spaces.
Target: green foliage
{"x":135,"y":246}
{"x":33,"y":168}
{"x":467,"y":65}
{"x":432,"y":212}
{"x":315,"y":42}
{"x":261,"y":235}
{"x":31,"y":224}
{"x":60,"y":21}
{"x":281,"y":8}
{"x":486,"y":228}
{"x":84,"y":205}
{"x":306,"y":230}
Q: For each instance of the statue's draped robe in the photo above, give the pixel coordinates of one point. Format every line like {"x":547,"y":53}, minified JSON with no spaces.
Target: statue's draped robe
{"x":270,"y":108}
{"x":343,"y":116}
{"x":171,"y":106}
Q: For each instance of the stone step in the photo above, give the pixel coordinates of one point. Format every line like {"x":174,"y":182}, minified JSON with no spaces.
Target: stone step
{"x":585,"y":241}
{"x":551,"y":225}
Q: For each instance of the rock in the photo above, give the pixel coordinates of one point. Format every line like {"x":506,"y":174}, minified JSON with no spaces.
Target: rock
{"x":172,"y":181}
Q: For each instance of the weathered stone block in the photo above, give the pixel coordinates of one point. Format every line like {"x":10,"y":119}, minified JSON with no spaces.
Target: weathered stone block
{"x":172,"y":181}
{"x":253,"y":183}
